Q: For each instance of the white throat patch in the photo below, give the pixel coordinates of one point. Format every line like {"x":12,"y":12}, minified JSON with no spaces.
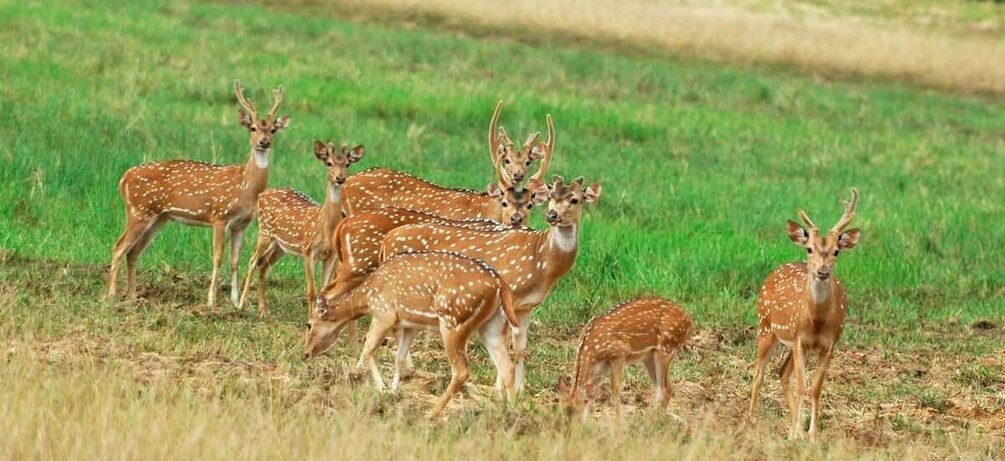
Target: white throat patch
{"x":820,"y":290}
{"x":334,"y":193}
{"x":565,"y":238}
{"x":261,"y":158}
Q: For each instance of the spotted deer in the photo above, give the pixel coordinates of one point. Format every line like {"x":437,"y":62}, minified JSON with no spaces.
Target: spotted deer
{"x":531,"y":262}
{"x":384,"y":188}
{"x":649,"y":329}
{"x":803,"y":306}
{"x":196,"y":193}
{"x":290,"y":222}
{"x":454,"y":294}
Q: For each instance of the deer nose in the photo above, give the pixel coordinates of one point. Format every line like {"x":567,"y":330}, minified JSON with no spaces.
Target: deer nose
{"x":517,"y":177}
{"x":305,"y":356}
{"x":340,"y":179}
{"x":824,"y":273}
{"x":264,"y":143}
{"x":552,"y":215}
{"x":516,"y":219}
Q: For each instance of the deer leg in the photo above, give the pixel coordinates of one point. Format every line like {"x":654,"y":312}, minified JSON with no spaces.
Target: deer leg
{"x":405,"y":337}
{"x":617,"y":373}
{"x":256,"y":256}
{"x":824,"y":361}
{"x":133,"y":255}
{"x":219,"y":235}
{"x":661,"y":365}
{"x":456,"y":346}
{"x":494,"y":336}
{"x":520,"y":349}
{"x":378,"y":330}
{"x":765,"y":344}
{"x":799,"y":365}
{"x":135,"y":228}
{"x":785,"y":375}
{"x":309,"y":269}
{"x":236,"y":243}
{"x":265,"y":261}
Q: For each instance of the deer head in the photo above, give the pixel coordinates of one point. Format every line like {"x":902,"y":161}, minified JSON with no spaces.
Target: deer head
{"x":822,"y":249}
{"x":512,"y":164}
{"x":337,"y":163}
{"x":262,"y":130}
{"x":566,"y":200}
{"x":326,"y":323}
{"x":515,"y":204}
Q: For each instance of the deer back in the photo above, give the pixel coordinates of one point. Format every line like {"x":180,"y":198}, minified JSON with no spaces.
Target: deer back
{"x":290,"y":217}
{"x":190,"y":191}
{"x":636,"y":327}
{"x":382,"y":188}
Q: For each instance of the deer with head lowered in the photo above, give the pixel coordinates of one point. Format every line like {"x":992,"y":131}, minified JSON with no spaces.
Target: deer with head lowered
{"x":383,"y":188}
{"x":648,"y":329}
{"x":454,"y":294}
{"x":803,"y":306}
{"x":290,"y":222}
{"x":531,"y":262}
{"x":196,"y":193}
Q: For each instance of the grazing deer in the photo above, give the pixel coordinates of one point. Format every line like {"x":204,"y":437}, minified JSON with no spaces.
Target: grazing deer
{"x":531,"y":262}
{"x":803,"y":306}
{"x":290,"y":222}
{"x":455,"y":294}
{"x":649,"y":329}
{"x":198,"y":193}
{"x":383,"y":188}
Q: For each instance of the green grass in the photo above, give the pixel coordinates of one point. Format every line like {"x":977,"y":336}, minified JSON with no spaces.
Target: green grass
{"x":701,"y":165}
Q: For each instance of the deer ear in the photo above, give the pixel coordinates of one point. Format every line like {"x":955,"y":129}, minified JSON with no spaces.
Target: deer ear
{"x":797,"y":233}
{"x":537,"y":153}
{"x":848,"y":239}
{"x":320,"y":307}
{"x":321,"y":150}
{"x":282,"y":123}
{"x":244,"y":118}
{"x":355,"y":154}
{"x":592,"y":193}
{"x":495,"y":191}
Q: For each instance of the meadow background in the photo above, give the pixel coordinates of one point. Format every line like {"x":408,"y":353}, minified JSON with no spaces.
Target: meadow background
{"x":704,"y":148}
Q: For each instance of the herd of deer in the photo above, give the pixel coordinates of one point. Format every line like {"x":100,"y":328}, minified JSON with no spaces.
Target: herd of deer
{"x":414,"y":255}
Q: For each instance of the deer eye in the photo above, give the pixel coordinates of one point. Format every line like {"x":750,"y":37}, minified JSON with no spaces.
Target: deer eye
{"x":505,"y":204}
{"x":809,"y":251}
{"x":273,"y":129}
{"x":836,"y":252}
{"x":308,"y":326}
{"x":574,"y":201}
{"x":506,"y":161}
{"x":530,"y":206}
{"x":528,"y":162}
{"x":253,"y":128}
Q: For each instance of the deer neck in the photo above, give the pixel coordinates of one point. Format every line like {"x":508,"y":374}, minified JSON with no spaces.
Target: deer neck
{"x":331,"y":214}
{"x":561,"y":246}
{"x":256,"y":172}
{"x":352,"y":304}
{"x":820,"y":295}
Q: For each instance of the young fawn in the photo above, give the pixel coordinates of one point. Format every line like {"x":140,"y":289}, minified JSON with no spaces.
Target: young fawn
{"x":531,"y":262}
{"x":290,"y":222}
{"x":383,"y":188}
{"x":198,"y":193}
{"x":803,"y":306}
{"x":454,"y":294}
{"x":650,"y":330}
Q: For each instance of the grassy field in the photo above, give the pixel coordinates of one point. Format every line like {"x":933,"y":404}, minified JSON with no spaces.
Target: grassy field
{"x":701,"y":164}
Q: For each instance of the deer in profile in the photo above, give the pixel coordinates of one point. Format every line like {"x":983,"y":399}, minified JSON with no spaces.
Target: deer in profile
{"x":803,"y":306}
{"x":531,"y":262}
{"x":454,"y":294}
{"x":196,"y":193}
{"x":290,"y":222}
{"x":383,"y":188}
{"x":649,"y":329}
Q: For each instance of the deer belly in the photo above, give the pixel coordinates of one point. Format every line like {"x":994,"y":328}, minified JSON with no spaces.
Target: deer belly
{"x":189,"y":217}
{"x":418,"y":320}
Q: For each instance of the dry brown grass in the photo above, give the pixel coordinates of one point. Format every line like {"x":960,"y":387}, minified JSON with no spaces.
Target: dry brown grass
{"x":816,"y":43}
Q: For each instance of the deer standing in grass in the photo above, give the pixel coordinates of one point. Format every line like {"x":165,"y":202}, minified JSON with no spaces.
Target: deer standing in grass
{"x":650,"y":330}
{"x":531,"y":262}
{"x":290,"y":222}
{"x":383,"y":188}
{"x":454,"y":294}
{"x":803,"y":306}
{"x":196,"y":193}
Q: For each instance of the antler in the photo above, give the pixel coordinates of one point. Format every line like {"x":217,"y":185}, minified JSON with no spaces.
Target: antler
{"x":531,"y":140}
{"x":501,"y":175}
{"x":806,"y":219}
{"x":277,"y":98}
{"x":849,"y":212}
{"x":493,"y":139}
{"x":243,"y":100}
{"x":549,"y":147}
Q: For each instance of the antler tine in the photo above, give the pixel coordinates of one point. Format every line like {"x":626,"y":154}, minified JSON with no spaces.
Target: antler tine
{"x":277,"y":98}
{"x":243,"y":100}
{"x":849,"y":212}
{"x":531,"y":140}
{"x":493,"y":124}
{"x":806,"y":219}
{"x":501,"y":176}
{"x":549,"y":148}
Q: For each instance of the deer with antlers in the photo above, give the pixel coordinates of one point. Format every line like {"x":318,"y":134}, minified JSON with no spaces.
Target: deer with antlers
{"x":290,"y":222}
{"x":198,"y":193}
{"x":383,"y":188}
{"x":454,"y":294}
{"x":530,"y":262}
{"x":803,"y":306}
{"x":649,"y":329}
